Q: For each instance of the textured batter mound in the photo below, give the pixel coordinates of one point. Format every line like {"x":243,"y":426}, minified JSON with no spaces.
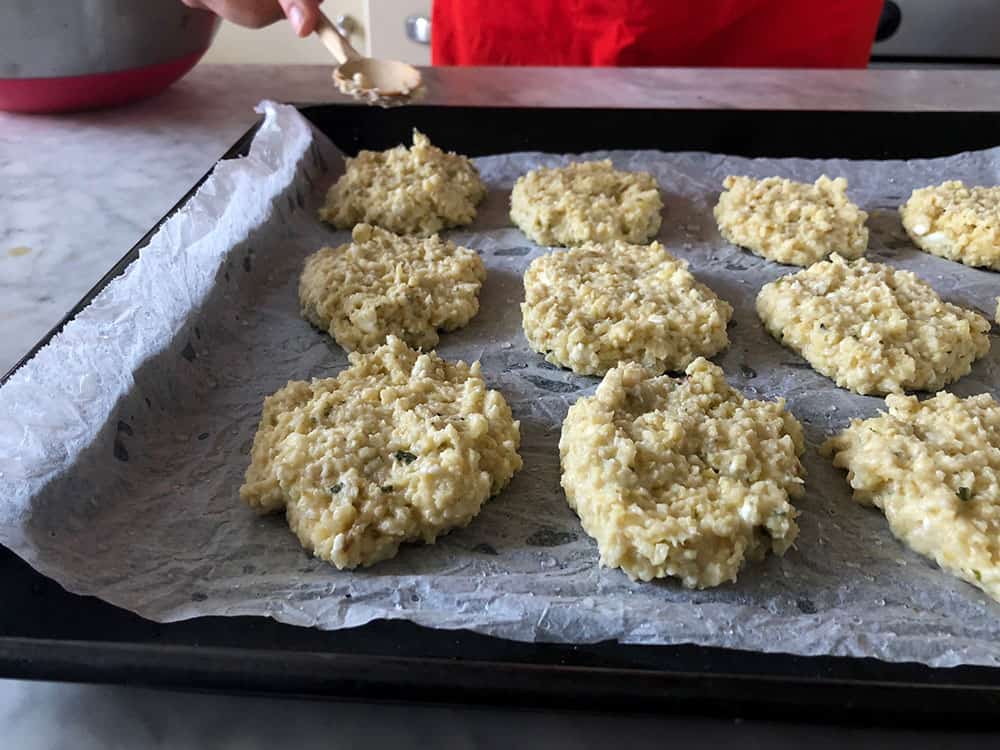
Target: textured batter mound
{"x":872,"y":328}
{"x":418,"y":190}
{"x":383,"y":284}
{"x":791,"y":222}
{"x":956,"y":222}
{"x":586,"y":202}
{"x":932,"y":468}
{"x":400,"y":447}
{"x":593,"y":306}
{"x":682,"y":478}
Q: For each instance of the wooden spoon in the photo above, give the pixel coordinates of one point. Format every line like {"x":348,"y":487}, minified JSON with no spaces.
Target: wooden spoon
{"x":383,"y":82}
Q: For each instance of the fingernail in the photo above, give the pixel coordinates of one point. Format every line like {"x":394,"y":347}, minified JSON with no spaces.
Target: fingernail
{"x":297,"y":18}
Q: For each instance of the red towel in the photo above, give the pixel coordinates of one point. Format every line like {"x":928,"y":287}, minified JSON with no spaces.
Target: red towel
{"x":697,"y":33}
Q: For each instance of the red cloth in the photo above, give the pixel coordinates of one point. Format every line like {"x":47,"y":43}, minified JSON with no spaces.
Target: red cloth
{"x":698,"y":33}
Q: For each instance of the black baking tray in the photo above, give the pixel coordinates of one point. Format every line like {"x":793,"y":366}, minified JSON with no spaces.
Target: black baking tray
{"x":48,"y":633}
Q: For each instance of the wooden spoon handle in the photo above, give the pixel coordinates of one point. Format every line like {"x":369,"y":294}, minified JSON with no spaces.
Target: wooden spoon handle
{"x":334,"y":41}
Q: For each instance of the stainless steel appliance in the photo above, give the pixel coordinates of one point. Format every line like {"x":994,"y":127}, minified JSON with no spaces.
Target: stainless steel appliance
{"x":933,"y":33}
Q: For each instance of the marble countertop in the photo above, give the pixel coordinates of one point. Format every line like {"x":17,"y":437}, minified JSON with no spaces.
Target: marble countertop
{"x":77,"y":191}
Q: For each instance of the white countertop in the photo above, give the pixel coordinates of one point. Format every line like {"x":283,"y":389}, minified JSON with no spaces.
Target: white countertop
{"x":77,"y":191}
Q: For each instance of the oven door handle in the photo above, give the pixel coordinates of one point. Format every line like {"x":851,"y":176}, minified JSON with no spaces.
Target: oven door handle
{"x":418,"y":29}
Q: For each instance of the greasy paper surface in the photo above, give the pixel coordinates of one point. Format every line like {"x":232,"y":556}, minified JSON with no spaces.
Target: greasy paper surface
{"x":123,"y":443}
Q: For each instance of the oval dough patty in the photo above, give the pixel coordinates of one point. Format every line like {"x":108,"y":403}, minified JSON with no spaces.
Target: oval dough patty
{"x":586,"y":202}
{"x":872,"y":328}
{"x":932,"y":468}
{"x":418,"y":190}
{"x":590,"y":307}
{"x":791,"y":222}
{"x":681,"y":478}
{"x":384,"y":284}
{"x":399,"y":447}
{"x":956,"y":222}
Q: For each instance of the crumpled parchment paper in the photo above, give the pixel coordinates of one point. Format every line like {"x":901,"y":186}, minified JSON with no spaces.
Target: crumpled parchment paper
{"x":123,"y":442}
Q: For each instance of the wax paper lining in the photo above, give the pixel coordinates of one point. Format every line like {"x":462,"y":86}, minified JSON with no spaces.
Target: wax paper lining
{"x":123,"y":442}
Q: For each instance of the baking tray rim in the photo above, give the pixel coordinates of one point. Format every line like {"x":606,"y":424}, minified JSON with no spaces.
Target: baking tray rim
{"x":353,"y":675}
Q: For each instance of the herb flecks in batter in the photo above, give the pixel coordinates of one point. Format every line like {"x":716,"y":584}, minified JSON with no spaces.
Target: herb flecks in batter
{"x":385,"y":399}
{"x":918,"y":469}
{"x":791,"y":222}
{"x":419,"y":190}
{"x":956,"y":222}
{"x":586,"y":202}
{"x":382,"y":284}
{"x":682,"y":478}
{"x":883,"y":329}
{"x":591,"y":307}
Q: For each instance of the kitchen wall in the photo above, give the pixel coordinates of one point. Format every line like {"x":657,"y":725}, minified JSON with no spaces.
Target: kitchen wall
{"x":276,"y":44}
{"x":378,"y":27}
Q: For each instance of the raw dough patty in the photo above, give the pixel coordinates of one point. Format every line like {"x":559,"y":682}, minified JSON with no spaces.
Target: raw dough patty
{"x":932,"y":468}
{"x":590,"y":307}
{"x":872,"y":328}
{"x":681,"y":478}
{"x":586,"y":202}
{"x":956,"y":222}
{"x":399,"y":447}
{"x":385,"y":284}
{"x":418,"y":190}
{"x":791,"y":222}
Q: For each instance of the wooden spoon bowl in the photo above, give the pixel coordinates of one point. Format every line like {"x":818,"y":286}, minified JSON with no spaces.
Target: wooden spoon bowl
{"x":386,"y":77}
{"x":384,"y":82}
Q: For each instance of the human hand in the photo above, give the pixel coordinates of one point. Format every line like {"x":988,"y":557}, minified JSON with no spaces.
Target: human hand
{"x":302,"y":14}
